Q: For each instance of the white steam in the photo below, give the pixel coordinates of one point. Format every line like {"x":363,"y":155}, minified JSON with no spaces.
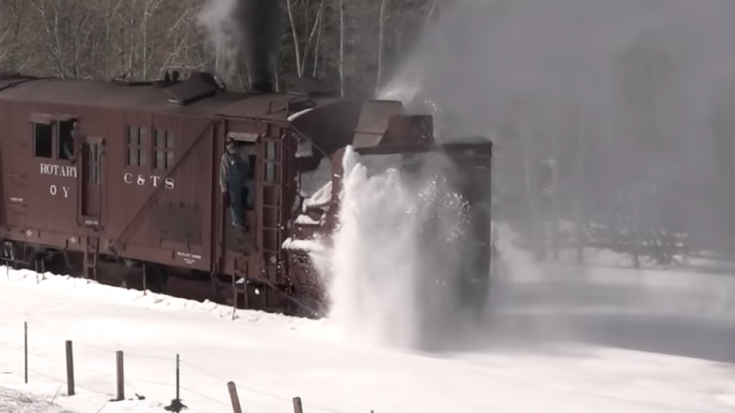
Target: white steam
{"x":222,"y":33}
{"x":398,"y":239}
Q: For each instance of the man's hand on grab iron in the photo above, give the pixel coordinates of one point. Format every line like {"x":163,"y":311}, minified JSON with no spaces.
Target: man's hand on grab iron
{"x":226,"y":199}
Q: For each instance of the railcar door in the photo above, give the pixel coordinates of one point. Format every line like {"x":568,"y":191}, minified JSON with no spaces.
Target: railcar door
{"x":91,"y":185}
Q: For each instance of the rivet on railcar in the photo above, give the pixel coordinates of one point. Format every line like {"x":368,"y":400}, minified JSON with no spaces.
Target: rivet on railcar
{"x":235,"y":180}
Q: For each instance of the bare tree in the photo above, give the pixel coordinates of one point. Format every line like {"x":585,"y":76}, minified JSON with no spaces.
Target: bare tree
{"x":141,"y":39}
{"x":341,"y":47}
{"x":294,"y":33}
{"x":381,"y":42}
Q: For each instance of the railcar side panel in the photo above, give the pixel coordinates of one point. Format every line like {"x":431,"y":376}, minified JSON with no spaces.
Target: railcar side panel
{"x":15,"y":168}
{"x":43,"y":172}
{"x":161,"y":188}
{"x":141,"y":183}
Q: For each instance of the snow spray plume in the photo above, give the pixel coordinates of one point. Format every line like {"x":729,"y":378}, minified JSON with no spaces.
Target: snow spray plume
{"x":396,"y":256}
{"x":632,"y":100}
{"x":636,"y":80}
{"x":244,"y":35}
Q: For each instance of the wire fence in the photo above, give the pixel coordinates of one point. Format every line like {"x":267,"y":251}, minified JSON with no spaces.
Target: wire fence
{"x":124,"y":376}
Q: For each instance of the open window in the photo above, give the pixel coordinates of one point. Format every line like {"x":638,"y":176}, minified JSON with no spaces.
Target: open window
{"x":66,"y":139}
{"x":53,"y":135}
{"x":43,"y":140}
{"x":246,"y":144}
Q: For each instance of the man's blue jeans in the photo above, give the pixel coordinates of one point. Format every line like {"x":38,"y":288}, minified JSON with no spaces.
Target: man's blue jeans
{"x":238,"y":197}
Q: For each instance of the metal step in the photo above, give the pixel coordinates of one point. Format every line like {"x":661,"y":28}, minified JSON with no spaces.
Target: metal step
{"x":91,"y":251}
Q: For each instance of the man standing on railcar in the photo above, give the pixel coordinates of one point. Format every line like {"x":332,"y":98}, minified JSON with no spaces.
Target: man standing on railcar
{"x":234,"y":177}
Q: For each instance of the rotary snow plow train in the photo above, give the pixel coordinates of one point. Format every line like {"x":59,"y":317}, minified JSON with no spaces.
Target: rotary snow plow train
{"x":119,"y":182}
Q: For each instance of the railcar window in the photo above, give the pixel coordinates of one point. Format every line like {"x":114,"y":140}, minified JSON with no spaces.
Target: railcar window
{"x":137,"y":154}
{"x":270,"y":150}
{"x":43,"y":140}
{"x":94,"y":168}
{"x":164,"y":149}
{"x":270,"y":173}
{"x":66,"y":140}
{"x":270,"y":167}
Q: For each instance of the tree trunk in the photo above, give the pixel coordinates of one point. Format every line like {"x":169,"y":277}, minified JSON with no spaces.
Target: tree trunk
{"x":341,"y":47}
{"x":317,"y":47}
{"x":430,"y":14}
{"x":381,"y":40}
{"x":312,"y":35}
{"x":555,"y":194}
{"x":579,"y":207}
{"x":528,"y":163}
{"x":294,"y":33}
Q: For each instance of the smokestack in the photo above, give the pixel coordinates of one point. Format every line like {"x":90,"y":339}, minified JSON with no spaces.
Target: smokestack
{"x":259,"y":22}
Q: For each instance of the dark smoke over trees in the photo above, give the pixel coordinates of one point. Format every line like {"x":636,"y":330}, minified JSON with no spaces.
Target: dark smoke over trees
{"x":140,"y":39}
{"x":259,"y":24}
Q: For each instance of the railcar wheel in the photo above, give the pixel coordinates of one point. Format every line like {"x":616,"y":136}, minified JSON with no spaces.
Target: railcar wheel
{"x":156,"y":278}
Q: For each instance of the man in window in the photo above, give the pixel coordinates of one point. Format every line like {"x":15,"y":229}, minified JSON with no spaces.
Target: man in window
{"x":234,"y":177}
{"x":67,"y":141}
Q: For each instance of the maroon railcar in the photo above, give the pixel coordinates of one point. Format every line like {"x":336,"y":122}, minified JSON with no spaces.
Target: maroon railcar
{"x":132,"y":197}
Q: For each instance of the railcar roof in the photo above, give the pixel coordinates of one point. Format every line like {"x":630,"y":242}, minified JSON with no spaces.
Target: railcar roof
{"x":146,"y":97}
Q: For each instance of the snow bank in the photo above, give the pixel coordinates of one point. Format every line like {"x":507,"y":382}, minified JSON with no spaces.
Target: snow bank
{"x":298,"y":114}
{"x":15,"y":401}
{"x":307,"y":245}
{"x":91,"y":289}
{"x":320,"y":198}
{"x":272,"y":365}
{"x":304,"y":219}
{"x":50,"y":398}
{"x":312,"y":181}
{"x":570,"y":289}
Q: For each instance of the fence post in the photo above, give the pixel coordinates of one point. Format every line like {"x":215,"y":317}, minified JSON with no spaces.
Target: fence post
{"x":178,"y":377}
{"x":69,"y":369}
{"x":176,"y":405}
{"x":297,"y":408}
{"x":145,"y":281}
{"x":233,"y":397}
{"x":25,"y":351}
{"x":119,"y":360}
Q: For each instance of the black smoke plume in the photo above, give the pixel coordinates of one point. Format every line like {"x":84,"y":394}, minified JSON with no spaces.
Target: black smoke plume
{"x":259,"y":23}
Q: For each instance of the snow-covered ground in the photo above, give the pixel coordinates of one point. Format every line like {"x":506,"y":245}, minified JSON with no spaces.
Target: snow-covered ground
{"x":274,"y":358}
{"x":17,"y":401}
